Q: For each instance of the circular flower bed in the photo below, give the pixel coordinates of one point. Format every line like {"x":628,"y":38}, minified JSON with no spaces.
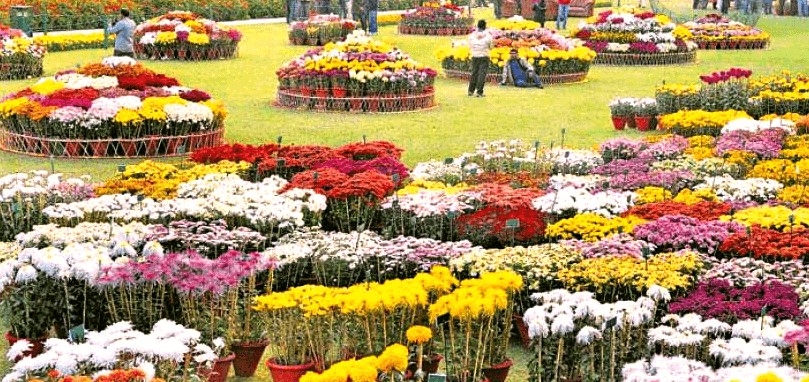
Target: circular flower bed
{"x":20,"y":57}
{"x":636,"y":39}
{"x":434,"y":18}
{"x":555,"y":58}
{"x":320,"y":30}
{"x":357,"y":75}
{"x":717,"y":32}
{"x":185,"y":36}
{"x":116,"y":108}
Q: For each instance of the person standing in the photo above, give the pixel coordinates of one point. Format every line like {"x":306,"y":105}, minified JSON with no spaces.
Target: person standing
{"x":539,"y":9}
{"x":480,"y":43}
{"x":124,"y":30}
{"x":561,"y":14}
{"x":358,"y":13}
{"x":803,"y":8}
{"x":373,"y":8}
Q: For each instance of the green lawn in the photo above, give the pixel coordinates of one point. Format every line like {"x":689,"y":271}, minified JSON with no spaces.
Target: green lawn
{"x":248,"y":86}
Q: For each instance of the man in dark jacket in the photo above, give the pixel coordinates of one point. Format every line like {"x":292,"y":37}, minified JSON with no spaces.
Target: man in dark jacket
{"x":520,"y":72}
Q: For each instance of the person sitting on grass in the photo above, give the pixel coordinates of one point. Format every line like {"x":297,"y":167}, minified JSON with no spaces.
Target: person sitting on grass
{"x":520,"y":72}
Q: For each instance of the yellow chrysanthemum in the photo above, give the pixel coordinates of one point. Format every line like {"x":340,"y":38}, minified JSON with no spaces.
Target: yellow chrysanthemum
{"x":418,"y":334}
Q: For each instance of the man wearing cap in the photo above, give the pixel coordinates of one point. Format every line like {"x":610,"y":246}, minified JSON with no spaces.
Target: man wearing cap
{"x":520,"y":72}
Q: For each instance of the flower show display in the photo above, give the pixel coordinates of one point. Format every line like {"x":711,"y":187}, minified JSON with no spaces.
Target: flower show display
{"x":360,"y":75}
{"x":555,"y":58}
{"x":626,"y":261}
{"x":436,"y":18}
{"x":182,"y":35}
{"x":640,"y":38}
{"x":20,"y":56}
{"x":115,"y":108}
{"x":320,"y":30}
{"x":718,"y":32}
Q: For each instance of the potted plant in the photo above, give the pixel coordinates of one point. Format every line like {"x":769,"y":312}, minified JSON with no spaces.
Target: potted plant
{"x":250,"y":339}
{"x":620,"y":110}
{"x":426,"y":361}
{"x":644,"y":110}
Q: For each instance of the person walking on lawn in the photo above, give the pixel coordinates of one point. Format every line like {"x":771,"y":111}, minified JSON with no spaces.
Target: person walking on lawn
{"x":124,"y":30}
{"x":480,"y":43}
{"x":561,"y":14}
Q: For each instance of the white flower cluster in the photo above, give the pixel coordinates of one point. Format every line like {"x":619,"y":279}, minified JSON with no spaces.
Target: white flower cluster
{"x":571,"y":161}
{"x":579,"y":200}
{"x":114,"y":62}
{"x":440,"y":171}
{"x":729,"y":189}
{"x":427,"y":203}
{"x":118,"y":346}
{"x":215,"y":196}
{"x":351,"y":249}
{"x":679,"y":369}
{"x":584,"y":182}
{"x":34,"y":184}
{"x":99,"y":234}
{"x":753,"y":126}
{"x":561,"y":312}
{"x":190,"y":112}
{"x":79,"y":81}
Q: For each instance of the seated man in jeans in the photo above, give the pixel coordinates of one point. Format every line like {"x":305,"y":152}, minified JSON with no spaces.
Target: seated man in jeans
{"x":520,"y":72}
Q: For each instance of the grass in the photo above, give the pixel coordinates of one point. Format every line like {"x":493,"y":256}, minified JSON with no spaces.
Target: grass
{"x":248,"y":86}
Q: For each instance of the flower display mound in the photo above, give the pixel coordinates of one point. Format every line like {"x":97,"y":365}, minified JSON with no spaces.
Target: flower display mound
{"x":20,"y":56}
{"x":436,"y":18}
{"x":113,"y":108}
{"x":718,"y":32}
{"x":359,"y":75}
{"x":555,"y":58}
{"x":320,"y":30}
{"x":181,"y":35}
{"x":640,"y":38}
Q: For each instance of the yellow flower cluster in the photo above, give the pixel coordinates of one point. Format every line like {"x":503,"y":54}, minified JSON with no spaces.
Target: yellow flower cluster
{"x":651,"y":194}
{"x":47,"y":86}
{"x":367,"y":369}
{"x":478,"y":298}
{"x":691,"y":122}
{"x":386,"y":19}
{"x":165,"y":38}
{"x":419,"y":185}
{"x":198,"y":38}
{"x":796,"y":147}
{"x":537,"y":264}
{"x":782,"y":170}
{"x":681,"y":32}
{"x":591,"y":227}
{"x":500,"y":55}
{"x":678,"y":90}
{"x":72,"y":41}
{"x":701,"y":141}
{"x":794,"y":117}
{"x":699,"y":153}
{"x":795,"y":194}
{"x":418,"y":334}
{"x":669,"y":270}
{"x":160,"y":180}
{"x":688,"y":196}
{"x":772,"y":217}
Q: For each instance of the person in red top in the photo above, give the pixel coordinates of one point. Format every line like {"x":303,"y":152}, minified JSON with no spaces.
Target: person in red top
{"x":561,"y":14}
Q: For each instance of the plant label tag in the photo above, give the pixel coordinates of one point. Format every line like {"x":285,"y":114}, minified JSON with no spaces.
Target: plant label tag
{"x":121,"y":167}
{"x":448,"y":161}
{"x":437,"y":378}
{"x":611,"y":323}
{"x":180,"y":149}
{"x":76,"y":334}
{"x":513,"y":223}
{"x":452,"y":214}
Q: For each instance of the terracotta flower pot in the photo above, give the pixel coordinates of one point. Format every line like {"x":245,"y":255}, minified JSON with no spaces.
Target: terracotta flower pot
{"x":99,"y":148}
{"x":152,"y":143}
{"x":431,"y":366}
{"x":130,"y":147}
{"x":219,"y":371}
{"x":291,"y":373}
{"x":72,"y":148}
{"x":248,"y":354}
{"x":499,"y":372}
{"x":522,"y":328}
{"x":618,"y":122}
{"x":642,"y":122}
{"x":37,"y":346}
{"x":338,"y":92}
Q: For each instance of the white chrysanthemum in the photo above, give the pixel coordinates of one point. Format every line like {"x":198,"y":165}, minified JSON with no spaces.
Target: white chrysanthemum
{"x":18,"y":349}
{"x":25,"y":274}
{"x":562,"y":324}
{"x":658,"y":293}
{"x":148,"y":369}
{"x":587,"y":335}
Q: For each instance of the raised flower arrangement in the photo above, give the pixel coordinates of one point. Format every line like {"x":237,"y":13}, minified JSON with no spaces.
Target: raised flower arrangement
{"x":115,"y":108}
{"x":320,"y":30}
{"x":555,"y":58}
{"x":20,"y":56}
{"x":358,"y":75}
{"x":635,"y":112}
{"x":436,"y":18}
{"x":717,"y":32}
{"x":184,"y":36}
{"x":642,"y":38}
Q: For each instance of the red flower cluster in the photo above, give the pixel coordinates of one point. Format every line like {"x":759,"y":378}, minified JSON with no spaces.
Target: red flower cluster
{"x":334,"y":184}
{"x":369,"y":150}
{"x":725,"y":75}
{"x":195,"y":95}
{"x":82,"y":98}
{"x":321,"y":181}
{"x":522,"y":225}
{"x":234,"y":153}
{"x":131,"y":375}
{"x":140,"y":82}
{"x":704,"y":211}
{"x":504,"y":196}
{"x":767,"y":243}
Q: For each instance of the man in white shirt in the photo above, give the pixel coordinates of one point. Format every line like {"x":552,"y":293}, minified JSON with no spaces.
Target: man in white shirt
{"x":480,"y":43}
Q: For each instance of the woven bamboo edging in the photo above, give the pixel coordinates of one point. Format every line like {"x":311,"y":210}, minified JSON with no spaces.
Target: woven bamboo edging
{"x":325,"y":102}
{"x":547,"y":79}
{"x":645,"y":59}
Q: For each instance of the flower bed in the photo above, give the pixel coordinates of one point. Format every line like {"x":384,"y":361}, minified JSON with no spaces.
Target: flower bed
{"x":20,"y":56}
{"x":641,"y":38}
{"x":555,"y":58}
{"x":357,"y":75}
{"x":436,"y":18}
{"x":73,"y":41}
{"x":116,"y":108}
{"x":717,"y":32}
{"x":185,"y":36}
{"x":320,"y":30}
